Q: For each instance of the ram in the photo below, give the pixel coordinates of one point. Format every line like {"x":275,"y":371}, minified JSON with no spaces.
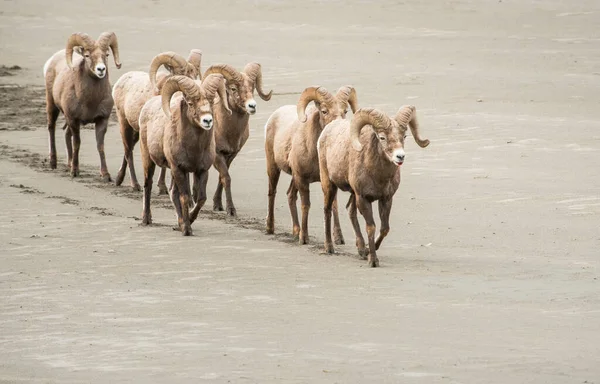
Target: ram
{"x":232,"y":130}
{"x":291,"y":136}
{"x":77,"y":84}
{"x":133,"y":90}
{"x":176,"y":132}
{"x":364,"y":157}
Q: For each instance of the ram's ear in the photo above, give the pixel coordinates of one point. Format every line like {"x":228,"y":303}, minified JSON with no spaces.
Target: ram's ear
{"x":78,"y":50}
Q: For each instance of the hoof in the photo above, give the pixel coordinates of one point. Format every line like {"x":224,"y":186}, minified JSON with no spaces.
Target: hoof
{"x":106,"y":178}
{"x":270,"y":230}
{"x":373,"y":262}
{"x":296,"y":233}
{"x":187,"y":231}
{"x":136,"y":188}
{"x":329,"y":248}
{"x":338,"y":240}
{"x":303,"y":240}
{"x":231,"y":212}
{"x":217,"y":207}
{"x":162,"y":190}
{"x":146,"y":221}
{"x":52,"y":162}
{"x":362,"y":253}
{"x":74,"y":172}
{"x":119,"y":179}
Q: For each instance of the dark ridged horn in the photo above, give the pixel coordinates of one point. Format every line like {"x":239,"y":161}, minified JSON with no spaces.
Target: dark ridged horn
{"x":176,"y":83}
{"x":78,"y":39}
{"x":366,"y":116}
{"x":215,"y":84}
{"x":318,"y":94}
{"x":254,"y":72}
{"x":407,"y":115}
{"x":229,"y":73}
{"x":176,"y":65}
{"x":195,"y":59}
{"x":109,"y":39}
{"x":347,"y":95}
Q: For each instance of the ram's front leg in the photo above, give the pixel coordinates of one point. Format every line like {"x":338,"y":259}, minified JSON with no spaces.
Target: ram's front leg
{"x":200,"y":181}
{"x":74,"y":126}
{"x":181,"y":180}
{"x":365,"y":208}
{"x":101,"y":127}
{"x":385,"y":206}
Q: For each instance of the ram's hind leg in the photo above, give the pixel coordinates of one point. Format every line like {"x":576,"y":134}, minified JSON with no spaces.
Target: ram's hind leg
{"x":273,"y":173}
{"x":149,"y":168}
{"x":329,"y":194}
{"x":292,"y":195}
{"x":69,"y":145}
{"x":305,"y":204}
{"x":338,"y":236}
{"x":162,"y":185}
{"x":52,"y":114}
{"x":74,"y":127}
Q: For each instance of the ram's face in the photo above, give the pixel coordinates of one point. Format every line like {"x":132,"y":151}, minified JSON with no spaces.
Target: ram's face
{"x":200,"y":112}
{"x":241,"y":95}
{"x":329,"y":112}
{"x":96,"y":60}
{"x":391,"y":141}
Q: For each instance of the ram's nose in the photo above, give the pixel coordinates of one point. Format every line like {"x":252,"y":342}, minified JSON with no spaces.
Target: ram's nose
{"x":101,"y":70}
{"x":207,"y":121}
{"x":399,"y":156}
{"x":251,"y":106}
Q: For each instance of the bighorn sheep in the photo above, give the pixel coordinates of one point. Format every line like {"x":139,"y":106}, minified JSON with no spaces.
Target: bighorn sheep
{"x":176,"y":133}
{"x":79,"y":88}
{"x":232,"y":130}
{"x":364,"y":157}
{"x":132,"y":91}
{"x":291,"y":136}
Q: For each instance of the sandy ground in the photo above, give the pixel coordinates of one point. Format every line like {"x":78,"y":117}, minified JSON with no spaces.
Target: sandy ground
{"x":490,"y":273}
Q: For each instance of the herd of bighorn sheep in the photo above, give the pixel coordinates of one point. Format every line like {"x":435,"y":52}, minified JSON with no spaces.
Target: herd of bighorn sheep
{"x":189,"y":121}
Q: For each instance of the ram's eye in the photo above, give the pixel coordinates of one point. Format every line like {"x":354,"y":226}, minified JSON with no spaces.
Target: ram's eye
{"x":233,"y":89}
{"x":381,"y":137}
{"x":324,"y":111}
{"x":87,"y":55}
{"x":405,"y":136}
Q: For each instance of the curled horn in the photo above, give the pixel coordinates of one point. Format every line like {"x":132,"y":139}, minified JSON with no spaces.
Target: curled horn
{"x":176,"y":65}
{"x":254,"y":72}
{"x":109,"y":39}
{"x":229,"y":73}
{"x":79,"y":39}
{"x":215,"y":84}
{"x":195,"y":59}
{"x":318,"y":94}
{"x":347,"y":95}
{"x":365,"y":116}
{"x":176,"y":83}
{"x":407,"y":115}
